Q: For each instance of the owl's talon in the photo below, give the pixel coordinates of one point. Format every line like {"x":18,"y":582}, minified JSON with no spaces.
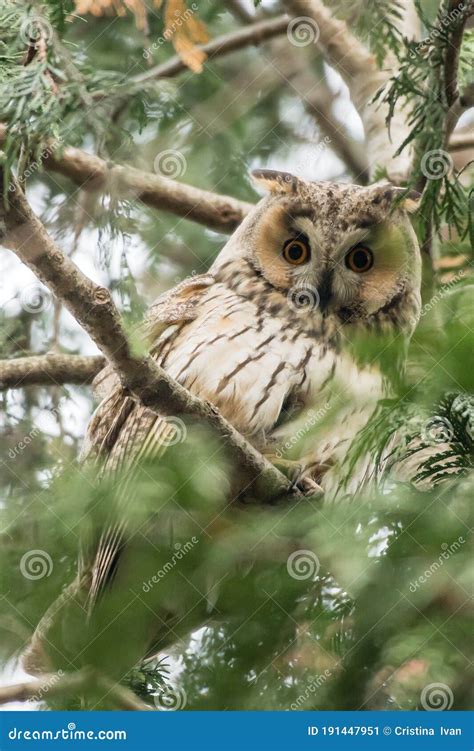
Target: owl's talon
{"x":308,"y":486}
{"x":291,"y":469}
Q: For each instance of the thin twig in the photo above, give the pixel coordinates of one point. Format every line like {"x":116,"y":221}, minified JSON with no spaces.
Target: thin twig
{"x":250,"y":35}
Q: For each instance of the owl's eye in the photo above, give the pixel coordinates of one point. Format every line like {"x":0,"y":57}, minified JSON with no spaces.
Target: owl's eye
{"x":296,"y":251}
{"x":359,"y":259}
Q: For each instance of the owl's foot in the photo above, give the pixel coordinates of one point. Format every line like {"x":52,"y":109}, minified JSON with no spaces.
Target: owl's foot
{"x":308,"y":486}
{"x":290,"y":468}
{"x":299,"y":476}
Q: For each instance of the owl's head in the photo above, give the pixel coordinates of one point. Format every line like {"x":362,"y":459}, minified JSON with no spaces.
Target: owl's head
{"x":352,"y":248}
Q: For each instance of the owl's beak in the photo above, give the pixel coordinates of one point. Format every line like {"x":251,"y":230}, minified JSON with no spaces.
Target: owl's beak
{"x":325,"y":291}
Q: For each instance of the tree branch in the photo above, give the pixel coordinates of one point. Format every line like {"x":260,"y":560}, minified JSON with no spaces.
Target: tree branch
{"x":457,"y":102}
{"x":253,"y":34}
{"x":220,"y":212}
{"x":463,"y":102}
{"x":93,"y":308}
{"x":49,"y":370}
{"x":61,"y":684}
{"x":317,"y":101}
{"x":358,"y":68}
{"x":451,"y":63}
{"x":446,"y":82}
{"x":461,"y":141}
{"x":319,"y":105}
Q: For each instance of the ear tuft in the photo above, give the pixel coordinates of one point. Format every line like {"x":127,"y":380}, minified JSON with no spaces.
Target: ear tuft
{"x":387,"y":195}
{"x":411,"y":202}
{"x":276,"y":181}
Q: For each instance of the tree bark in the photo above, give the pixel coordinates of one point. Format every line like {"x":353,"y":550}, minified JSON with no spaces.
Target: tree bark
{"x":49,"y":370}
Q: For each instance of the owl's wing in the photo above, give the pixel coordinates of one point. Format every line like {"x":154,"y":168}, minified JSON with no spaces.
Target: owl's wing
{"x":122,"y":431}
{"x":176,"y":306}
{"x":170,"y":310}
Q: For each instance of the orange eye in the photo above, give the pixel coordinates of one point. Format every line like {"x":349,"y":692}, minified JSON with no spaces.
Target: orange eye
{"x":359,"y":259}
{"x":296,"y":251}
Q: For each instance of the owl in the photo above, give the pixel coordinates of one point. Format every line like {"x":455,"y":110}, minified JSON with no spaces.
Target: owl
{"x":270,"y":336}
